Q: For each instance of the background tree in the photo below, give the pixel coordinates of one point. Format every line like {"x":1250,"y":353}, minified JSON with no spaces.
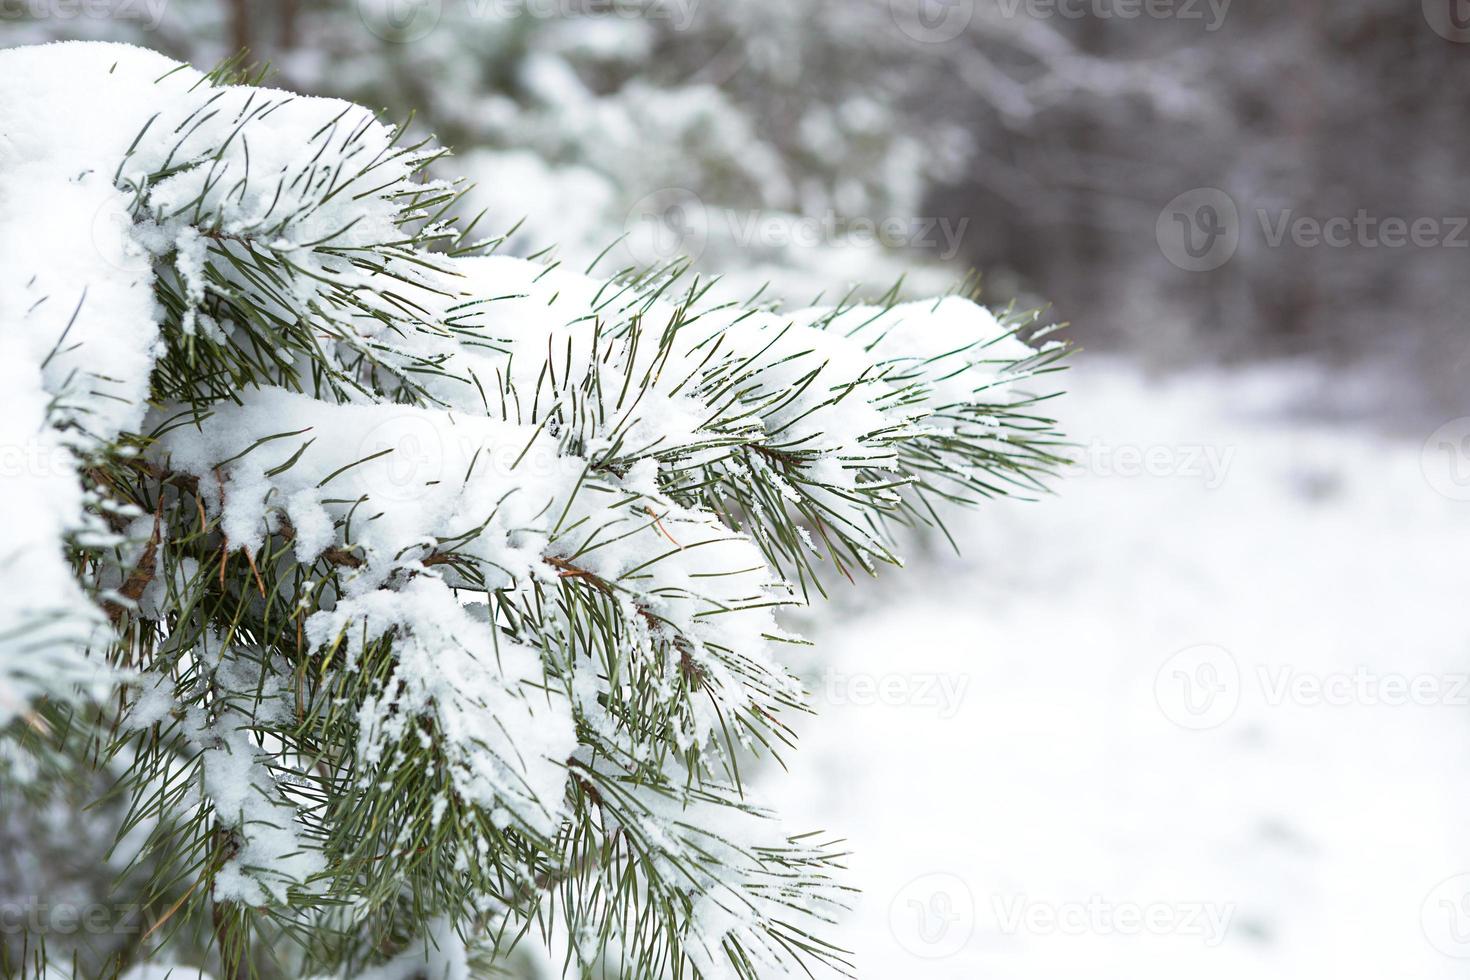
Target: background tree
{"x":702,"y":129}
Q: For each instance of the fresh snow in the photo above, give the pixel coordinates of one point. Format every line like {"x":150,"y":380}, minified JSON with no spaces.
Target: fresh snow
{"x":994,"y":737}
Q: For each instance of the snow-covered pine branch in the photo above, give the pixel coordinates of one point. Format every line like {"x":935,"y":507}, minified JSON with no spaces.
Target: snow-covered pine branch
{"x":437,"y":588}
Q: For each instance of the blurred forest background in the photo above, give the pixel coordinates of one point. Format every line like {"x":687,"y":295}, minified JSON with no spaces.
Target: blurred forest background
{"x":814,"y":144}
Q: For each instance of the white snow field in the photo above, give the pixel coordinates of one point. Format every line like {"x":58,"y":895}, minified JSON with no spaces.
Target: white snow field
{"x":1202,"y":714}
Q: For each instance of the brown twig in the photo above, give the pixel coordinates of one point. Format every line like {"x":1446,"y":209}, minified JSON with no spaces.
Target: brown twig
{"x":258,"y":580}
{"x":142,"y":574}
{"x":659,"y":524}
{"x":692,"y":672}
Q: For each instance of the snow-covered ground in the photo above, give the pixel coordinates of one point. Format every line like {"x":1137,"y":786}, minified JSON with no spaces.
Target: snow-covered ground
{"x":1204,"y":713}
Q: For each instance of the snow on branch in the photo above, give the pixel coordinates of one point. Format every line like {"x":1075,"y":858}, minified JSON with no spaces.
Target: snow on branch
{"x":446,"y":580}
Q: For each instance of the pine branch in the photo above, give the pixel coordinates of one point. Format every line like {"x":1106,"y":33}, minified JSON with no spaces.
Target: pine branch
{"x":436,"y":592}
